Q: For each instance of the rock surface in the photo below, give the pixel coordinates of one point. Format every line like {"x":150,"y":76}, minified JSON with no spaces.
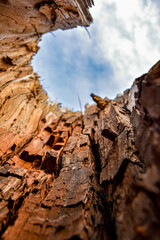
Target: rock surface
{"x":68,"y":175}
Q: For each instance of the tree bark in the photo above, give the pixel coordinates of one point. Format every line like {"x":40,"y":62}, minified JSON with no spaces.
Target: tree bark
{"x":68,"y":175}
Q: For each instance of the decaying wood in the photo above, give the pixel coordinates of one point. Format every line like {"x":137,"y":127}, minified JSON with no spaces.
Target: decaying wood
{"x":61,"y":177}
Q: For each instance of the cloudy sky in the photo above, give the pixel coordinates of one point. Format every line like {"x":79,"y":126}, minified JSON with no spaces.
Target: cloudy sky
{"x":124,"y":44}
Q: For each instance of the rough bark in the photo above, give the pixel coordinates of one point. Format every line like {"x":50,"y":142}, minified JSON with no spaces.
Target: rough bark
{"x":64,"y":175}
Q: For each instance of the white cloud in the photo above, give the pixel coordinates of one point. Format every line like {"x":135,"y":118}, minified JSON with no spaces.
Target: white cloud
{"x":127,"y":36}
{"x":124,"y":44}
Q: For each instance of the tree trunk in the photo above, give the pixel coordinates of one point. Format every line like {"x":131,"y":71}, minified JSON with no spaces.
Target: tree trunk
{"x":68,"y":175}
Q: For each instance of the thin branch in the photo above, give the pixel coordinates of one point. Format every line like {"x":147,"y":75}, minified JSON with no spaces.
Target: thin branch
{"x":53,"y":34}
{"x":88,"y":32}
{"x":79,"y":100}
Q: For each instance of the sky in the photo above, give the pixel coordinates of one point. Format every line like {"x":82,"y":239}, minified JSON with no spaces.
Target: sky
{"x":124,"y":44}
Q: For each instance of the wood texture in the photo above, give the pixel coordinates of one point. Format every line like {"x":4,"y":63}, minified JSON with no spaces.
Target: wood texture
{"x":68,"y":175}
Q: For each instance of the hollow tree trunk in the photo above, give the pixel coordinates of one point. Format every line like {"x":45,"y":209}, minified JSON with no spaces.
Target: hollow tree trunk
{"x":64,"y":175}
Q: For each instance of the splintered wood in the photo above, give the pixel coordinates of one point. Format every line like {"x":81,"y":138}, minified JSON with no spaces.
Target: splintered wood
{"x":67,"y":175}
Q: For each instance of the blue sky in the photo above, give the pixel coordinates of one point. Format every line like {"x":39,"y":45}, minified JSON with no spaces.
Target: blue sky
{"x":124,"y":44}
